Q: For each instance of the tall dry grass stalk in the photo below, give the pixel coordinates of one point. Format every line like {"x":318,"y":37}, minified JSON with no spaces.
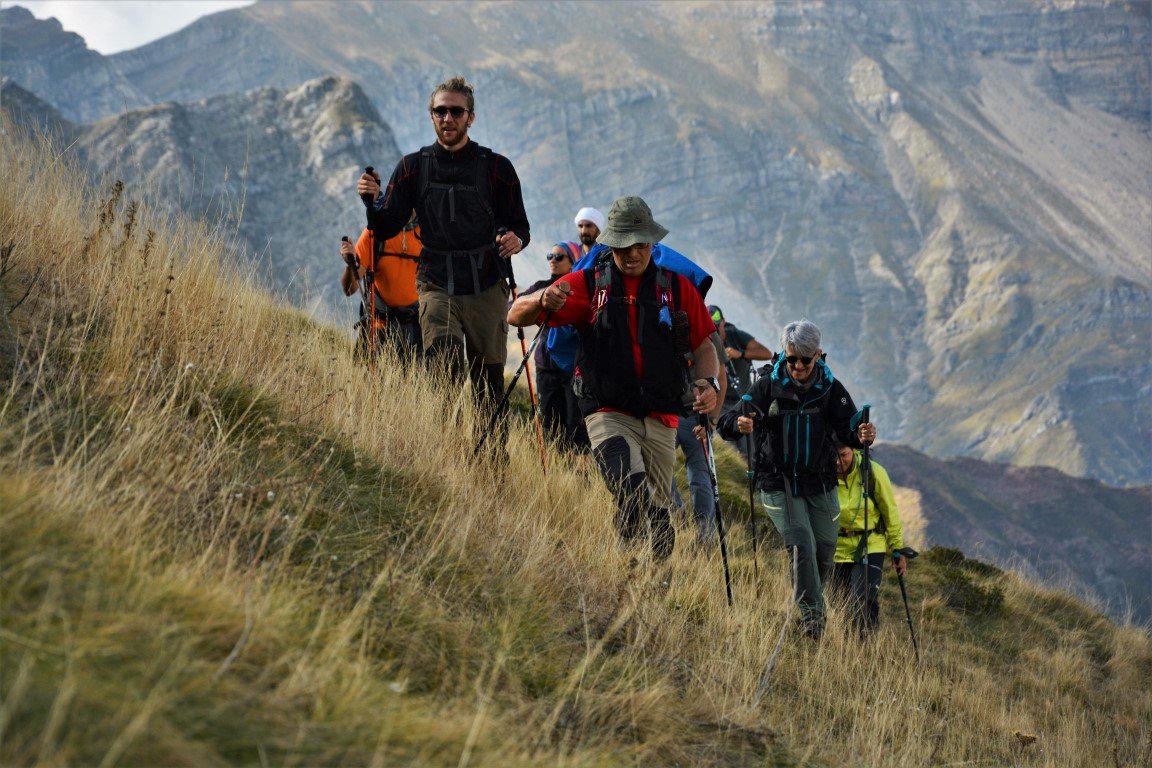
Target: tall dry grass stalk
{"x":225,"y":543}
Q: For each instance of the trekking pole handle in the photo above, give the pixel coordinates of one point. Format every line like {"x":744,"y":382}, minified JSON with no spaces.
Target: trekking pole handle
{"x":865,"y":413}
{"x":366,"y":197}
{"x":507,"y":262}
{"x":746,"y":411}
{"x":351,"y":260}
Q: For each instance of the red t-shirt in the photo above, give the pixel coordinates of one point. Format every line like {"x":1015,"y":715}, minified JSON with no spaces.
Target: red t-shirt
{"x":577,"y":310}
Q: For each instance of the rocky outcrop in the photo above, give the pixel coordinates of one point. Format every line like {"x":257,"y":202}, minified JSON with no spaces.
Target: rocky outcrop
{"x":275,"y":165}
{"x":25,"y":109}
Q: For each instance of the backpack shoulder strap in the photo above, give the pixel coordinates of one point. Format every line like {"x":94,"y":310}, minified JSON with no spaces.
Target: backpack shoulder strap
{"x":483,"y":170}
{"x":599,"y":286}
{"x":424,"y":176}
{"x":667,"y":288}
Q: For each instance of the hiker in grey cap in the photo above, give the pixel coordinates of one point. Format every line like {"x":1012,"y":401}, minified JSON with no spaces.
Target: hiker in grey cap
{"x":640,"y":326}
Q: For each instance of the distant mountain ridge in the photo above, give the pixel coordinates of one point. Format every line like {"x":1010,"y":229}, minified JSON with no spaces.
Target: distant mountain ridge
{"x":1071,"y":533}
{"x":956,"y":192}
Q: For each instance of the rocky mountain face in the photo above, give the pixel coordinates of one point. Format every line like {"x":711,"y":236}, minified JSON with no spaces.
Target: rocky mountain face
{"x":956,"y":191}
{"x":271,"y":165}
{"x":276,"y":163}
{"x":33,"y":113}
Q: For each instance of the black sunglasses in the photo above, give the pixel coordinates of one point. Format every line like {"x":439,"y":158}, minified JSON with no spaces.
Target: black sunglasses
{"x":456,"y":112}
{"x":792,"y":359}
{"x":556,"y":256}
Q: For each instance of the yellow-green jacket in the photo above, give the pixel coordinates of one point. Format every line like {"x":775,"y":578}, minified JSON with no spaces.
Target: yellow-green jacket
{"x":882,"y":514}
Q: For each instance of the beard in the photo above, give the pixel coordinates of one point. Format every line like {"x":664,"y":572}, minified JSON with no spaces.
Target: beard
{"x":453,"y":137}
{"x":588,"y":240}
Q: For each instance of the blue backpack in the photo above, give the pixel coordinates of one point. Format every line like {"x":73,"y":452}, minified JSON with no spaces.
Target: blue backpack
{"x":563,"y":342}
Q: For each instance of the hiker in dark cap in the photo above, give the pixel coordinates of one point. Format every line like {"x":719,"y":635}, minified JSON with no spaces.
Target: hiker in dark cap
{"x":472,"y":221}
{"x":799,"y":406}
{"x":640,"y":328}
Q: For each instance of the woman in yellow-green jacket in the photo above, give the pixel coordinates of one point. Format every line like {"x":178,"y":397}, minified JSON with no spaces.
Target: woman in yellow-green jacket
{"x":849,"y":573}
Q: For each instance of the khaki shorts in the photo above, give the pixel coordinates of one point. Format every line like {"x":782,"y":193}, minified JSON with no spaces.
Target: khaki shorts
{"x":651,"y":448}
{"x":479,"y":320}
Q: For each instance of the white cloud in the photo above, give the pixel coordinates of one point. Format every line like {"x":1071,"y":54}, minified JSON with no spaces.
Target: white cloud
{"x":110,"y":26}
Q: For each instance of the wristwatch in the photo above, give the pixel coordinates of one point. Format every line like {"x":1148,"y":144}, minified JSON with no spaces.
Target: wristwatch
{"x":714,"y":382}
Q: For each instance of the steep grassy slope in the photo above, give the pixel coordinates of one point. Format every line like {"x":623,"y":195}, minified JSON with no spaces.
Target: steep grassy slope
{"x":223,"y":543}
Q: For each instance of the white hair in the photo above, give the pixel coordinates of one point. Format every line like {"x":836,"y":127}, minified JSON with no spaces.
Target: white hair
{"x":803,"y":336}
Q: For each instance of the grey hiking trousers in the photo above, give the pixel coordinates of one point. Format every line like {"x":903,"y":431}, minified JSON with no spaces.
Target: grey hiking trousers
{"x":809,"y":525}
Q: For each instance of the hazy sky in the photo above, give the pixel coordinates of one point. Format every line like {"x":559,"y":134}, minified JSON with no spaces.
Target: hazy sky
{"x":110,"y":26}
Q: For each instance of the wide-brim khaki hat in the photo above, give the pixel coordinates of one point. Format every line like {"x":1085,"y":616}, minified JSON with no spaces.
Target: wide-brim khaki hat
{"x":629,"y":222}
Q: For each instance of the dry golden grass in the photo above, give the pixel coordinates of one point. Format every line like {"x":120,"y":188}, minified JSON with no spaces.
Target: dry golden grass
{"x":223,"y":544}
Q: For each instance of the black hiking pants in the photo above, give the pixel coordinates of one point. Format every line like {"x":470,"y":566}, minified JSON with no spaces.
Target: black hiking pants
{"x":861,"y":585}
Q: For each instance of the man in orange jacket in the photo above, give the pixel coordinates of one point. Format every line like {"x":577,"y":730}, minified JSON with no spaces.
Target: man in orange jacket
{"x":395,"y":317}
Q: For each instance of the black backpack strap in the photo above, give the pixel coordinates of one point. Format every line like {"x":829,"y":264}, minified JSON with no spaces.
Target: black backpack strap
{"x":424,"y":176}
{"x":483,"y":188}
{"x":599,"y":288}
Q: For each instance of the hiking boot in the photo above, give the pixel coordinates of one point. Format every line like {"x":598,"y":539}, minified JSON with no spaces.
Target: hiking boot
{"x":814,"y":629}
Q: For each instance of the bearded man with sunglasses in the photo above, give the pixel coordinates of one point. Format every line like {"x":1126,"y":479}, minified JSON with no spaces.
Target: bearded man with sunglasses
{"x":797,"y":407}
{"x":471,"y":211}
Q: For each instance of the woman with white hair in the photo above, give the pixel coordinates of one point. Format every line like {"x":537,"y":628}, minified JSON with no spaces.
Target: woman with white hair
{"x":796,"y":409}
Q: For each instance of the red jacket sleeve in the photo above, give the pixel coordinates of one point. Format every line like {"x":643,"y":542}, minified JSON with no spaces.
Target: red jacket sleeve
{"x":575,"y":309}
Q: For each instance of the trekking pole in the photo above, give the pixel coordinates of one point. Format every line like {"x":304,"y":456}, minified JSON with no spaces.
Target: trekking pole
{"x":512,"y":385}
{"x":527,"y":371}
{"x":746,"y":401}
{"x":706,"y":443}
{"x":909,"y":553}
{"x":368,"y":290}
{"x":865,"y":469}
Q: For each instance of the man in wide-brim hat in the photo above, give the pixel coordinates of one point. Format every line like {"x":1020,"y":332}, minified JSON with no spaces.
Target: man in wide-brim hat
{"x":640,"y":328}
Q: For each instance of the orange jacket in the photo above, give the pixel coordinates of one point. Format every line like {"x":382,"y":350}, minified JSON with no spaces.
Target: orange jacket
{"x":395,"y":273}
